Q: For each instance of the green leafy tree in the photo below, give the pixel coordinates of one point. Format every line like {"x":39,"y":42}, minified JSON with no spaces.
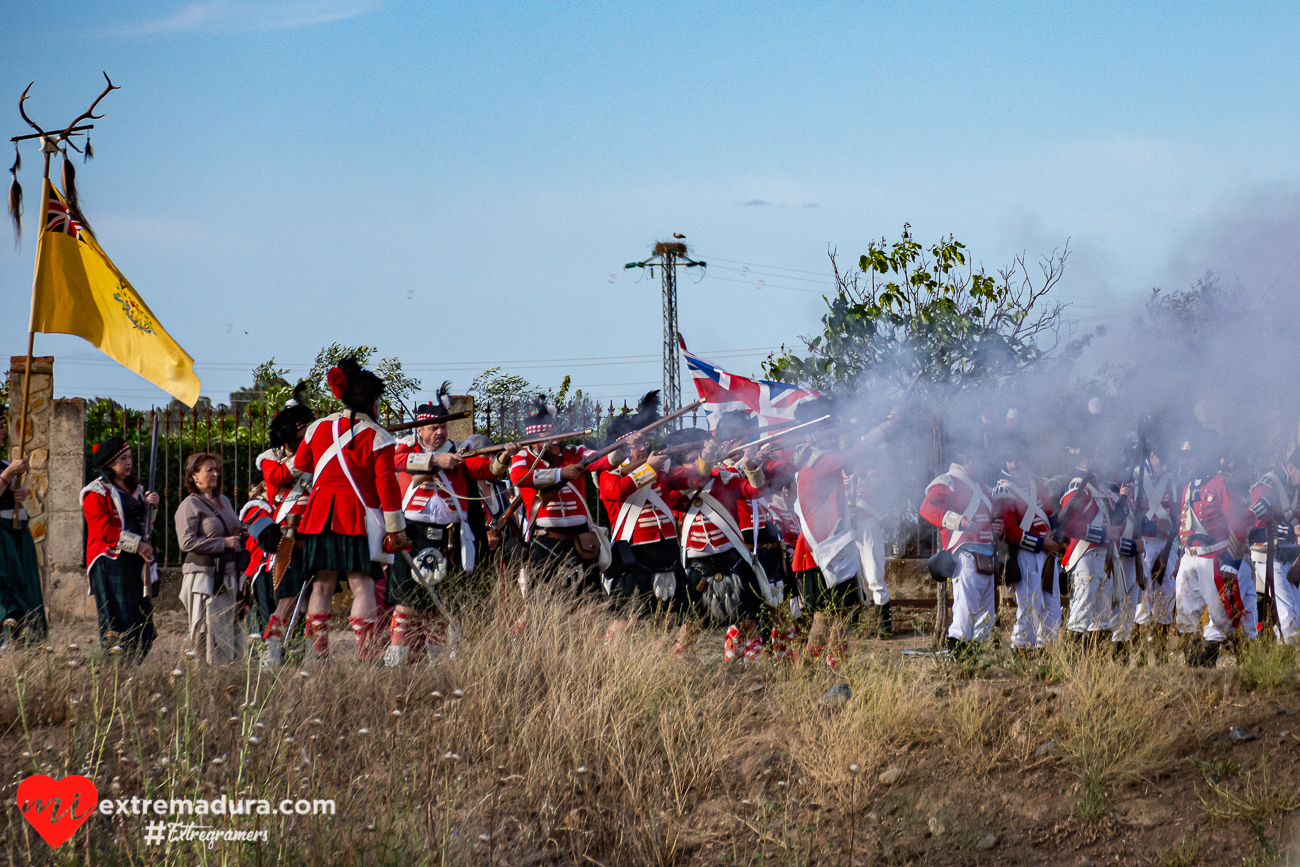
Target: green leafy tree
{"x":910,"y":312}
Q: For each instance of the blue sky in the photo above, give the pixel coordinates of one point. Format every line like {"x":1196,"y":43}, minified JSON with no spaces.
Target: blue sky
{"x":460,"y":184}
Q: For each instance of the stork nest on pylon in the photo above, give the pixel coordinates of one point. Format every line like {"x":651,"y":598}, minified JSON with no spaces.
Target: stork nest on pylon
{"x":677,"y":247}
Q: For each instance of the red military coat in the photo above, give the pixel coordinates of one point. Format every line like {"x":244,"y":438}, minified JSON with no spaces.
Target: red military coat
{"x":1214,"y":519}
{"x":954,"y":495}
{"x":101,"y":504}
{"x":451,"y":486}
{"x":568,"y":507}
{"x":639,"y":505}
{"x":285,"y":490}
{"x":333,"y":503}
{"x":1023,"y":525}
{"x":252,"y":510}
{"x":729,"y":487}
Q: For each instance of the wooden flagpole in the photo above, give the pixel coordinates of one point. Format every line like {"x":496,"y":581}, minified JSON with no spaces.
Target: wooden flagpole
{"x":47,"y":147}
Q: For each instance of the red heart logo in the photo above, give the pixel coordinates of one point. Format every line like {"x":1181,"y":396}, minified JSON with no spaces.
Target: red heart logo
{"x":57,"y":808}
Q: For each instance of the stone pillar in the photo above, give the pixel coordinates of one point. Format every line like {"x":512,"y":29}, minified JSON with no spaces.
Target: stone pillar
{"x":65,"y":536}
{"x":40,"y":402}
{"x":459,"y":431}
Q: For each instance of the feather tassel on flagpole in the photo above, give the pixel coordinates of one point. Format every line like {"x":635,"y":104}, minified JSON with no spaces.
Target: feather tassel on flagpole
{"x":70,"y":192}
{"x":16,"y":196}
{"x":90,"y":151}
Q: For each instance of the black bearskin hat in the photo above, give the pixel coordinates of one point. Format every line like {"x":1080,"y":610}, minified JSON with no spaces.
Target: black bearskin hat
{"x":734,"y":424}
{"x":296,"y":414}
{"x":439,"y":407}
{"x":686,"y":436}
{"x":627,"y":423}
{"x":357,"y":388}
{"x":811,"y":410}
{"x":542,"y":419}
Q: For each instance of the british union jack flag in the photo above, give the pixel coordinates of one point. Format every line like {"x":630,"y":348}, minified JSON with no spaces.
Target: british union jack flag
{"x":772,"y":402}
{"x":59,"y":218}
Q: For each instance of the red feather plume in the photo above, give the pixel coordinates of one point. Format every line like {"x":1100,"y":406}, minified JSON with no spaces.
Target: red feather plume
{"x":338,"y":381}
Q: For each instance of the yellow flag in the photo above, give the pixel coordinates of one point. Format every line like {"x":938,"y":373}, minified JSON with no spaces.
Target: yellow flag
{"x":77,"y":290}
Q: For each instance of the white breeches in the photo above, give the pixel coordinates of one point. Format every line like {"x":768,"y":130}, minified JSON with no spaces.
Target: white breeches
{"x":1197,"y":594}
{"x":1038,"y":615}
{"x":870,"y":543}
{"x":1157,"y":603}
{"x":1288,"y":597}
{"x":972,"y":601}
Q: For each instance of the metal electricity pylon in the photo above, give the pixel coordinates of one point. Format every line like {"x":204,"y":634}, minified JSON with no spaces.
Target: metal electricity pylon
{"x":667,"y":256}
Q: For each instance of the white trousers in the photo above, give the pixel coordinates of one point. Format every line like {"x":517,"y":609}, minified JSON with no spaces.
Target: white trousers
{"x":1157,"y":603}
{"x":972,"y":602}
{"x":1197,"y":594}
{"x":1125,"y":594}
{"x":870,"y":542}
{"x":1089,"y":598}
{"x":1288,"y":597}
{"x":212,"y":619}
{"x":1038,"y":615}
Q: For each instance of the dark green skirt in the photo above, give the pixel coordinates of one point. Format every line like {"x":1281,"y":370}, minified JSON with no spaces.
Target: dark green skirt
{"x":20,"y":582}
{"x":334,"y":551}
{"x":818,"y":597}
{"x":121,"y":605}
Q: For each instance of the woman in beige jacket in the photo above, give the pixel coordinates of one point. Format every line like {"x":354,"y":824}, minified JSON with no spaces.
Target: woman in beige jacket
{"x":209,"y":534}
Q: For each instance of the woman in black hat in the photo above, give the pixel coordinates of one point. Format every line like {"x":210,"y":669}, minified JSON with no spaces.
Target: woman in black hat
{"x":119,"y":557}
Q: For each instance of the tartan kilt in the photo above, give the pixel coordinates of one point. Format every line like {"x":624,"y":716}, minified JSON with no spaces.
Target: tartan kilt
{"x":329,"y":550}
{"x":20,"y":581}
{"x":120,"y":602}
{"x":818,"y":597}
{"x":401,"y":587}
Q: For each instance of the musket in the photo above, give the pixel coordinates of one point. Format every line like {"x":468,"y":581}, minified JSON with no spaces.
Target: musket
{"x":740,"y":450}
{"x":535,"y":441}
{"x":442,"y":419}
{"x":495,"y":526}
{"x":1269,"y":587}
{"x":1139,"y":515}
{"x":151,"y":568}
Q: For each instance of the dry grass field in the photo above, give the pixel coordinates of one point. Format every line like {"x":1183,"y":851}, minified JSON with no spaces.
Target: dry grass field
{"x":551,"y":747}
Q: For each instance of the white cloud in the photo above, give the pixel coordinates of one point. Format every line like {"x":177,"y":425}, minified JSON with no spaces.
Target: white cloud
{"x":231,"y":16}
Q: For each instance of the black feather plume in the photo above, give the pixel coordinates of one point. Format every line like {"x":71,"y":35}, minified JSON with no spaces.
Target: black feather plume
{"x":16,"y":207}
{"x":70,"y":192}
{"x":649,"y":402}
{"x":90,"y":151}
{"x":444,"y":394}
{"x":16,"y":196}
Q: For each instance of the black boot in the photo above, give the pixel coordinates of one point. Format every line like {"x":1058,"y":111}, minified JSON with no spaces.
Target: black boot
{"x":885,"y":621}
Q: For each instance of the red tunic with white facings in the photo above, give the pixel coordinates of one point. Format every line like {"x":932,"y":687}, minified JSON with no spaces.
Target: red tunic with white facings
{"x":252,"y":510}
{"x":1214,"y":519}
{"x":1023,"y":526}
{"x":333,"y":504}
{"x":102,"y":507}
{"x":452,"y":487}
{"x":563,"y":506}
{"x":729,"y":488}
{"x":639,"y":512}
{"x":285,"y":490}
{"x":951,"y":497}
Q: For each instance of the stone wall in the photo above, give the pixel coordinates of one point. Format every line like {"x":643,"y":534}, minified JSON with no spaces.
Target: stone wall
{"x":55,"y":448}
